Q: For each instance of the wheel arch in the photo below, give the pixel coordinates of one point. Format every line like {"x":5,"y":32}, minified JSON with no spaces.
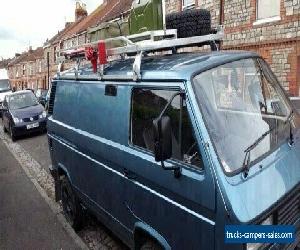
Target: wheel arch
{"x":58,"y":173}
{"x":63,"y":171}
{"x":143,"y":232}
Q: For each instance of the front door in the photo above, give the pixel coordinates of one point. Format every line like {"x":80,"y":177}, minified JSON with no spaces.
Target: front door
{"x":179,"y":209}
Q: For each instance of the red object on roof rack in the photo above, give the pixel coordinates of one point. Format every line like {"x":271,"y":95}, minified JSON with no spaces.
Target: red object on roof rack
{"x":91,"y":55}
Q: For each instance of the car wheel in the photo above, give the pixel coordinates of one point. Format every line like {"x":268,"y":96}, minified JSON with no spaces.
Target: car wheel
{"x":71,"y":206}
{"x":190,"y":22}
{"x":12,"y":134}
{"x":151,"y":245}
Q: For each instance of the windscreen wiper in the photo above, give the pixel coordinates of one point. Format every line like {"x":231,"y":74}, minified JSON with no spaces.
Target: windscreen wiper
{"x":247,"y":151}
{"x":289,"y":119}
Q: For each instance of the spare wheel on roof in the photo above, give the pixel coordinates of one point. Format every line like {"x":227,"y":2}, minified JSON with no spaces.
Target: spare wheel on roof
{"x":196,"y":22}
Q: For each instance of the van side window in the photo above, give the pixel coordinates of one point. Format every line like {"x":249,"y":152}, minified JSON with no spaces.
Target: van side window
{"x":147,"y":104}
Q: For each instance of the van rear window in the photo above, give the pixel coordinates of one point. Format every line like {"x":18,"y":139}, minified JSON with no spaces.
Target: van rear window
{"x":65,"y":103}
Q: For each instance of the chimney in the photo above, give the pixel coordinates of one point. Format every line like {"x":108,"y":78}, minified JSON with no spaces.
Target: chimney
{"x":67,"y":24}
{"x":80,"y":11}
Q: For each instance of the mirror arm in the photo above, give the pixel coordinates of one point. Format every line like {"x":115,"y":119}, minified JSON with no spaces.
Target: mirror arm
{"x":169,"y":103}
{"x":177,"y":170}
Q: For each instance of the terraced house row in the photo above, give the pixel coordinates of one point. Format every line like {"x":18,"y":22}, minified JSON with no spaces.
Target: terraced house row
{"x":35,"y":68}
{"x":269,"y":27}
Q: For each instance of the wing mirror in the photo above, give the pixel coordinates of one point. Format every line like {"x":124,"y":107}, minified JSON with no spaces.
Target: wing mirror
{"x":162,"y":135}
{"x":162,"y":138}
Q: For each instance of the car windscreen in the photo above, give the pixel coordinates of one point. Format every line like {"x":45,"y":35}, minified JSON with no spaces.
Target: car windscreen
{"x":244,"y":110}
{"x":22,"y":100}
{"x":4,"y":85}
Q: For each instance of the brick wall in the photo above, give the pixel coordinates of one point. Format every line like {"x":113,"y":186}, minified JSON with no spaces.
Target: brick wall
{"x":173,"y":6}
{"x":278,"y":41}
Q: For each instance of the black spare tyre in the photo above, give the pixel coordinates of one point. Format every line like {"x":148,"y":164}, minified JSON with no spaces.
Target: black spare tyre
{"x":190,"y":22}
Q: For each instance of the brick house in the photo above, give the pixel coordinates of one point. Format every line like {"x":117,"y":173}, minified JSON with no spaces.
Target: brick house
{"x":32,"y":69}
{"x":52,"y":46}
{"x":35,"y":68}
{"x":269,"y":27}
{"x":27,"y":70}
{"x":108,"y":10}
{"x":75,"y":33}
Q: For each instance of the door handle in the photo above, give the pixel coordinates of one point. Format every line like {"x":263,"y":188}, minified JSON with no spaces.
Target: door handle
{"x":129,"y":174}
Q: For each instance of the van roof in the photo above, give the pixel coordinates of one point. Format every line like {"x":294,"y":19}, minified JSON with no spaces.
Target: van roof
{"x":180,"y":66}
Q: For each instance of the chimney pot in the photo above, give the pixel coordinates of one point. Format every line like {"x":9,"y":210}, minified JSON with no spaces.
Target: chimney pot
{"x":80,"y":11}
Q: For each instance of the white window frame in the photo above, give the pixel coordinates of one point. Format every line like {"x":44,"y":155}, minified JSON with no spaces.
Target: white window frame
{"x":30,"y":69}
{"x":188,"y":6}
{"x":40,"y":66}
{"x":266,"y":19}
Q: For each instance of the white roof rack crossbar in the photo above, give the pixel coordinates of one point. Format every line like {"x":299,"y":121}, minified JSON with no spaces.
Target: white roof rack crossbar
{"x":140,"y":47}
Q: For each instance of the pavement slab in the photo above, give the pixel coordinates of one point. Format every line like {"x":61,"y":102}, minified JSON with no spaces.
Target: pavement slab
{"x":26,"y":220}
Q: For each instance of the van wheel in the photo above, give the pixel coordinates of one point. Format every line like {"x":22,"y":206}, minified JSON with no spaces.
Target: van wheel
{"x":4,"y":128}
{"x":190,"y":22}
{"x":151,"y":245}
{"x":71,"y":206}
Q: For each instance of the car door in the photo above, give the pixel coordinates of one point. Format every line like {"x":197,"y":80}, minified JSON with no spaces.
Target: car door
{"x":178,"y":209}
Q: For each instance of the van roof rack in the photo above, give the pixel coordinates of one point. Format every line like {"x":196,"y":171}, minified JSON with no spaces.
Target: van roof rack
{"x":146,"y":42}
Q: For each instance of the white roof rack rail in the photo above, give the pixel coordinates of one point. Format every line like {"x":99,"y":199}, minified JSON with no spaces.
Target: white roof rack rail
{"x":151,"y":41}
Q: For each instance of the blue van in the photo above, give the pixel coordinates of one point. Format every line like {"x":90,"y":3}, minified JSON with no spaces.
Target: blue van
{"x":199,"y":141}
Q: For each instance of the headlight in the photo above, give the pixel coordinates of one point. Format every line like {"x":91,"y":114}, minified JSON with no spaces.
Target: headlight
{"x":43,"y":115}
{"x":17,"y":120}
{"x":253,"y":246}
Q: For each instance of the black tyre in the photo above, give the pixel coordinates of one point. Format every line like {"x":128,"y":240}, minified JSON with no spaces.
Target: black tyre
{"x":151,"y":245}
{"x":71,"y":206}
{"x":4,"y":128}
{"x":190,"y":23}
{"x":12,"y":134}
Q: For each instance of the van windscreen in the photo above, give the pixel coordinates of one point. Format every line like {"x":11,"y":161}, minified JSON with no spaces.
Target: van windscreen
{"x":244,"y":109}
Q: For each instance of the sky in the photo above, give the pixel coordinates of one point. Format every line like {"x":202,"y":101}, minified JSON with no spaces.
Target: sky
{"x":25,"y":23}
